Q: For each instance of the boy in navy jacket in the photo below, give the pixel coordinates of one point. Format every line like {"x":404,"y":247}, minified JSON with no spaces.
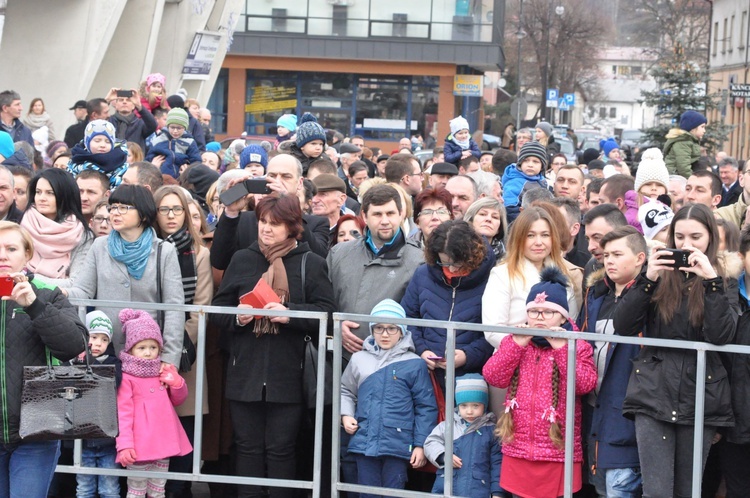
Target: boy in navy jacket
{"x":176,"y":146}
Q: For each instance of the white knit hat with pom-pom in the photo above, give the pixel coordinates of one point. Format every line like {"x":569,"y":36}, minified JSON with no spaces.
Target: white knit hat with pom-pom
{"x":652,"y":169}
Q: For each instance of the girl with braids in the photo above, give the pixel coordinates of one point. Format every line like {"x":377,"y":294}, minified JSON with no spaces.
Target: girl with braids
{"x":534,"y":370}
{"x":697,"y":302}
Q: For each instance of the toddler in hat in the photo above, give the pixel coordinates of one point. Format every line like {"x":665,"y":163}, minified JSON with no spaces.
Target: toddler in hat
{"x":309,"y":142}
{"x":99,"y":453}
{"x":459,"y":144}
{"x":476,"y":451}
{"x":655,"y":219}
{"x":150,"y":431}
{"x":101,"y":152}
{"x":534,"y":370}
{"x":652,"y":177}
{"x":177,"y":147}
{"x":286,"y":125}
{"x":254,"y":159}
{"x":682,"y":149}
{"x":526,"y":174}
{"x":387,"y":402}
{"x":153,"y":93}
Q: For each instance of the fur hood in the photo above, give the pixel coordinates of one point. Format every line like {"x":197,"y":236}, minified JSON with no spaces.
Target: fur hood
{"x":677,"y":133}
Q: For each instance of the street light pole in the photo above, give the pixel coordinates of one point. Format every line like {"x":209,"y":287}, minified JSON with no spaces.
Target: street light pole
{"x":559,"y":10}
{"x":520,"y":34}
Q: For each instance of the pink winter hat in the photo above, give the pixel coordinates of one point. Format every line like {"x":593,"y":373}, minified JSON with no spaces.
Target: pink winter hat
{"x":155,"y":78}
{"x":138,"y":326}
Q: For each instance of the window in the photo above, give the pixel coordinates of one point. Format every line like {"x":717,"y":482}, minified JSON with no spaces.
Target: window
{"x":636,"y":70}
{"x":743,"y":27}
{"x":217,"y":103}
{"x":603,"y":112}
{"x":716,"y":37}
{"x":731,"y":34}
{"x":614,"y":70}
{"x":724,"y":38}
{"x":613,"y":112}
{"x":623,"y":70}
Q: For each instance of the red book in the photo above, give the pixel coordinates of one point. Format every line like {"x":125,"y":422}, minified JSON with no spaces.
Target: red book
{"x":261,"y":295}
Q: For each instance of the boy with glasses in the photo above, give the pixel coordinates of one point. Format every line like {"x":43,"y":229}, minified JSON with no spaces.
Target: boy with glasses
{"x":177,"y":148}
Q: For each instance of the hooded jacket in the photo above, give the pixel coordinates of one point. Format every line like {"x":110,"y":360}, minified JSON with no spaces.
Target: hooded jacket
{"x":176,"y":152}
{"x":479,"y":450}
{"x":611,"y":432}
{"x":431,"y":297}
{"x":390,"y":394}
{"x":515,"y":184}
{"x":681,"y":151}
{"x":662,"y":383}
{"x":531,"y":439}
{"x":18,"y":159}
{"x":49,"y":324}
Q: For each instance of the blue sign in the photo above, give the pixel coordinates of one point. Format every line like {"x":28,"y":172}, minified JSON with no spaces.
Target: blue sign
{"x":570,"y":99}
{"x":552,"y":93}
{"x":563,"y":105}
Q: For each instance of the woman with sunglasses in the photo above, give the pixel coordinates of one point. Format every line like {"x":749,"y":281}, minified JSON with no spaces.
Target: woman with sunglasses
{"x":123,"y":267}
{"x":450,"y":287}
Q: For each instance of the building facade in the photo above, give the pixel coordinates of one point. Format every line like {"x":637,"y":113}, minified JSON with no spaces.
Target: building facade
{"x":383,"y":69}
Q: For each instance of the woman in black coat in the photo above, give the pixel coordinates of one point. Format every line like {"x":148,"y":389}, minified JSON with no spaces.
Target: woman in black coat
{"x":264,"y":375}
{"x":695,"y":303}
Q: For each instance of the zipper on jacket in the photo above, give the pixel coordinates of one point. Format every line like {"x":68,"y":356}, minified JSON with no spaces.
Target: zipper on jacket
{"x":3,"y":381}
{"x":533,"y":405}
{"x":453,"y":303}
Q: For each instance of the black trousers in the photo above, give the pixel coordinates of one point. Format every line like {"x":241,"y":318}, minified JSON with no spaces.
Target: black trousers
{"x":265,"y":436}
{"x":735,"y":462}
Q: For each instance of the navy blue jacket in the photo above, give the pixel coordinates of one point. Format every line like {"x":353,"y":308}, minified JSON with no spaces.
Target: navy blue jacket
{"x":613,"y":434}
{"x":452,"y":151}
{"x":176,"y":152}
{"x":430,"y":297}
{"x":19,"y":132}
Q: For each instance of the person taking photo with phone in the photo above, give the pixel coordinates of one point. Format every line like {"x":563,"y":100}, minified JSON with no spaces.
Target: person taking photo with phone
{"x":130,"y":126}
{"x":696,"y":302}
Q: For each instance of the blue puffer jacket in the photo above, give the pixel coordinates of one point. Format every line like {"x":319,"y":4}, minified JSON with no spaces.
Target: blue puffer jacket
{"x":611,"y":432}
{"x":176,"y":152}
{"x":390,"y":394}
{"x":515,"y":184}
{"x":430,"y":297}
{"x":477,"y":447}
{"x":452,"y":152}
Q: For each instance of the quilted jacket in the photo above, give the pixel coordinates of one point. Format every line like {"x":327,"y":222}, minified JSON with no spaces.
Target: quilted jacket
{"x":534,"y":395}
{"x":176,"y":152}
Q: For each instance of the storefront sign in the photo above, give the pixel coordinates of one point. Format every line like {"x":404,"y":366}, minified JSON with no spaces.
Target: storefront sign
{"x":738,"y":90}
{"x":271,"y":98}
{"x":468,"y":85}
{"x":201,"y":56}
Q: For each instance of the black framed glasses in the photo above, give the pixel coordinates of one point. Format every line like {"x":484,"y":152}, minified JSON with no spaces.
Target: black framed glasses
{"x":165,"y":210}
{"x":446,"y":264}
{"x":383,"y":329}
{"x":536,"y":314}
{"x":120,"y":209}
{"x":101,"y":220}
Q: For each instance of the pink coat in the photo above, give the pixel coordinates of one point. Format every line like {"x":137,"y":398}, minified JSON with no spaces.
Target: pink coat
{"x":531,"y":439}
{"x":148,"y":422}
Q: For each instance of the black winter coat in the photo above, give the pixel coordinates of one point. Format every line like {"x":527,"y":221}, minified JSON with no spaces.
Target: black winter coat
{"x":271,"y":361}
{"x":662,"y":383}
{"x":50,"y":321}
{"x":738,"y":367}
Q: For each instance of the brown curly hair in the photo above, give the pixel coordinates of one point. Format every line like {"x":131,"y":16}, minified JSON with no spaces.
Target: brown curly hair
{"x":457,"y":239}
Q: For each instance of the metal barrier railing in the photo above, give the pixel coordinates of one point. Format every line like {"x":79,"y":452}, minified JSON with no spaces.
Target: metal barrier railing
{"x":700,"y":347}
{"x":200,"y":366}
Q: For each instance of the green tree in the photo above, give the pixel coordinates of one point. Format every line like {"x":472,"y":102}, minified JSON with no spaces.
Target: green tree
{"x":681,"y":87}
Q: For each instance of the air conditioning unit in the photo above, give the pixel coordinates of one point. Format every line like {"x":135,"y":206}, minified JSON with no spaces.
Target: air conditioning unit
{"x":342,"y":3}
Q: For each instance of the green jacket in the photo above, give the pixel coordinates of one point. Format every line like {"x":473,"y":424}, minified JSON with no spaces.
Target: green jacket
{"x":680,"y":152}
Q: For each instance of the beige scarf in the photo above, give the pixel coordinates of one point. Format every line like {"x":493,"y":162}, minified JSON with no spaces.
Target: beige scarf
{"x":276,"y":277}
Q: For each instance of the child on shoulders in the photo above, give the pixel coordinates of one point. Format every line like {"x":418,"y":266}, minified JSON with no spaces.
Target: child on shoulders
{"x":459,"y":144}
{"x":101,"y":152}
{"x":526,"y":174}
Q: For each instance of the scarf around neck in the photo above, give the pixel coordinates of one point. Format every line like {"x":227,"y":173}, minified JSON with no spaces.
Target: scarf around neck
{"x":139,"y":367}
{"x":276,"y":277}
{"x":464,"y":145}
{"x":183,"y":242}
{"x":134,"y":255}
{"x":53,"y":242}
{"x":108,"y":162}
{"x":122,"y":123}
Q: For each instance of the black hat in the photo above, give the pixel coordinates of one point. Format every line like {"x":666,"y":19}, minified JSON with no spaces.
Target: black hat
{"x":348,"y":148}
{"x":80,"y":104}
{"x":444,"y":169}
{"x":589,"y":155}
{"x":596,"y":164}
{"x":327,"y":182}
{"x":176,"y":101}
{"x":383,"y":157}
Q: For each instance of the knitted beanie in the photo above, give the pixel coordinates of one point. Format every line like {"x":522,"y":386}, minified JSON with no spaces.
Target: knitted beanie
{"x":609,"y":170}
{"x":545,"y":127}
{"x":175,"y":101}
{"x":54,"y":146}
{"x":653,"y":217}
{"x":589,"y":155}
{"x":213,"y":147}
{"x":608,"y":146}
{"x":138,"y":326}
{"x":390,"y":309}
{"x":98,"y":127}
{"x":99,"y":323}
{"x":155,"y":78}
{"x":201,"y":177}
{"x":532,"y":149}
{"x":254,"y":154}
{"x":309,"y":130}
{"x":457,"y":124}
{"x":691,"y":120}
{"x":288,"y":121}
{"x":471,"y":388}
{"x":179,"y":117}
{"x":551,"y":292}
{"x":6,"y":145}
{"x":652,"y":169}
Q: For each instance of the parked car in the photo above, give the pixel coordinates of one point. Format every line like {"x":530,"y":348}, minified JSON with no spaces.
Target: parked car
{"x":490,"y":142}
{"x":567,"y":148}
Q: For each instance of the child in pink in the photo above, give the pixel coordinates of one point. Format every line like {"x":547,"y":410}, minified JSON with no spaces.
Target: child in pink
{"x":150,"y":431}
{"x":534,"y":370}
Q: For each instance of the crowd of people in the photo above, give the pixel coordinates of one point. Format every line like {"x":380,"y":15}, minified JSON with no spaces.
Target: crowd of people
{"x":139,"y":206}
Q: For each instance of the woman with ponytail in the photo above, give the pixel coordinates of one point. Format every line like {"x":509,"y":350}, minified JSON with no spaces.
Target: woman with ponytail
{"x":534,"y":370}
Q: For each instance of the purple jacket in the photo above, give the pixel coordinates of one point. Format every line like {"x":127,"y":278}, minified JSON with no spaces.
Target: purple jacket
{"x":631,"y":214}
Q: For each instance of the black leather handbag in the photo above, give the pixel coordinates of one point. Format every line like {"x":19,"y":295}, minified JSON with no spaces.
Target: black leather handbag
{"x":68,"y":402}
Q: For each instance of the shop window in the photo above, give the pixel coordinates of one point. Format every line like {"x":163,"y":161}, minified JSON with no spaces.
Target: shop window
{"x":217,"y":103}
{"x":269,"y":95}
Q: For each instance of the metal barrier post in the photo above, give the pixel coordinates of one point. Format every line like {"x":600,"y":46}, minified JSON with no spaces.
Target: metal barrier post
{"x":570,"y":410}
{"x":320,"y":389}
{"x":700,"y":398}
{"x":200,"y":366}
{"x":450,"y":387}
{"x":336,"y":419}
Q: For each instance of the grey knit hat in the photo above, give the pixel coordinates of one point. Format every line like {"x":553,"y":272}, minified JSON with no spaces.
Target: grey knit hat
{"x":533,"y":149}
{"x":309,"y":130}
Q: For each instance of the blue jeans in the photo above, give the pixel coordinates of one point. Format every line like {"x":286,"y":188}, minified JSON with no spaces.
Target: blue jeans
{"x":26,"y":469}
{"x":101,"y":457}
{"x":623,"y":483}
{"x":384,"y":472}
{"x":348,"y":463}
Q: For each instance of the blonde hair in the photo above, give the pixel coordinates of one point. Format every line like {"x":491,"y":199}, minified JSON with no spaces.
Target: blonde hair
{"x":28,"y":242}
{"x":135,"y":151}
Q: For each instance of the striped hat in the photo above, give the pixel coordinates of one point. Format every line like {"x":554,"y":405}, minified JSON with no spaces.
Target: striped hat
{"x":388,"y":308}
{"x":471,"y":388}
{"x":533,"y":149}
